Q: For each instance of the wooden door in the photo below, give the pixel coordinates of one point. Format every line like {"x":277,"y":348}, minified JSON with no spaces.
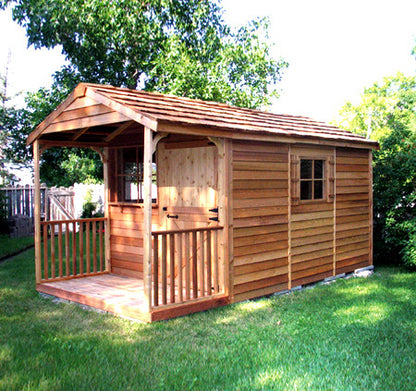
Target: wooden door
{"x":187,"y":186}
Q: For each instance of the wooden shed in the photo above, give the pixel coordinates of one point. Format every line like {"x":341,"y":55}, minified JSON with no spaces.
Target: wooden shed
{"x":206,"y":204}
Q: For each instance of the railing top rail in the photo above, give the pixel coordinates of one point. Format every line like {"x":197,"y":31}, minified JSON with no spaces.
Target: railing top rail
{"x":73,"y":221}
{"x":182,"y":231}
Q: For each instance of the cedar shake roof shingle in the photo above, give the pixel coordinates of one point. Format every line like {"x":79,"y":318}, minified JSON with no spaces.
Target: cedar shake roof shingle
{"x":152,"y":109}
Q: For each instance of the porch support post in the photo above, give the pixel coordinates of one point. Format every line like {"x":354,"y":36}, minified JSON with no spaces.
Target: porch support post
{"x":104,"y":157}
{"x":225,"y":214}
{"x":38,"y":255}
{"x":147,"y":210}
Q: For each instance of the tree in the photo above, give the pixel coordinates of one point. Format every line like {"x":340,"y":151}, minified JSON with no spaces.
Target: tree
{"x":150,"y":44}
{"x":181,"y":47}
{"x":395,"y":195}
{"x":394,"y":97}
{"x":387,"y":113}
{"x":5,"y":117}
{"x":59,"y":166}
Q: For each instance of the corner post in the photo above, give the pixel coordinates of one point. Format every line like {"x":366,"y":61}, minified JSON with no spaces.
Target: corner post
{"x":36,"y":169}
{"x":147,"y":218}
{"x":370,"y":201}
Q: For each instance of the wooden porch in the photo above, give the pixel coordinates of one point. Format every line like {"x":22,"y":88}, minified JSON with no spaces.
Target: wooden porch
{"x":186,"y":275}
{"x":124,"y":296}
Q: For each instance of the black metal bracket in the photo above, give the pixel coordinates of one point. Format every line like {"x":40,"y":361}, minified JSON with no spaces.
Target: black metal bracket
{"x":172,"y":216}
{"x":213,"y":218}
{"x":214,"y":210}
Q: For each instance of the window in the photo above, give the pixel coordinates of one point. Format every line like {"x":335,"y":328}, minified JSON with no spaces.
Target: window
{"x":130,"y":176}
{"x":312,"y":179}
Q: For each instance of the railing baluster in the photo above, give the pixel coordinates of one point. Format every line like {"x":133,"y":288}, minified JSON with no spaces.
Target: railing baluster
{"x":187,"y":268}
{"x":180,"y":270}
{"x":88,"y":246}
{"x":67,"y":272}
{"x":94,"y":247}
{"x":194,"y":265}
{"x":52,"y":250}
{"x":202,"y":264}
{"x":209,"y":279}
{"x":156,"y":270}
{"x":164,"y":277}
{"x":100,"y":234}
{"x":172,"y":267}
{"x":74,"y":249}
{"x":81,"y":248}
{"x":45,"y":251}
{"x":216,"y":264}
{"x":60,"y":268}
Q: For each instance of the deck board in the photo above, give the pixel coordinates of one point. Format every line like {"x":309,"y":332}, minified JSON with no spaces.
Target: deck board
{"x":123,"y":296}
{"x":109,"y":292}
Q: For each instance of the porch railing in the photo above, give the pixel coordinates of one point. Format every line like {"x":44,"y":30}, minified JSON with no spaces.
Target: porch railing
{"x":72,"y":248}
{"x":185,"y":265}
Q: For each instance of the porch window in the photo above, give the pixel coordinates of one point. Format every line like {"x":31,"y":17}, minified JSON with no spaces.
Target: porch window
{"x":130,"y":176}
{"x":312,"y":179}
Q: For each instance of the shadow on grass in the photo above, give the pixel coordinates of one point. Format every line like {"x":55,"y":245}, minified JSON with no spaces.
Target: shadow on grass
{"x":355,"y":334}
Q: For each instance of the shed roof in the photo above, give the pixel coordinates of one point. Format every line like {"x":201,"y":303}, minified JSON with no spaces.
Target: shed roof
{"x":108,"y":105}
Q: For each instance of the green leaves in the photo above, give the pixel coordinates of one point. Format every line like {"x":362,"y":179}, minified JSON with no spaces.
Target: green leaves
{"x":181,"y":47}
{"x":395,"y":193}
{"x":173,"y":46}
{"x":394,"y":97}
{"x":387,"y":113}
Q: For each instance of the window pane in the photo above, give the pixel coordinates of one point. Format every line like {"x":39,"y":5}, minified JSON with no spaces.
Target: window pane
{"x":318,"y":169}
{"x":306,"y":169}
{"x":318,"y":192}
{"x":306,"y":190}
{"x":130,"y":168}
{"x":130,"y":190}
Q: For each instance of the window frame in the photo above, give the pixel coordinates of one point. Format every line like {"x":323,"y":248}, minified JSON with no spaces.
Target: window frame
{"x":323,"y":179}
{"x":121,"y":176}
{"x":327,"y":155}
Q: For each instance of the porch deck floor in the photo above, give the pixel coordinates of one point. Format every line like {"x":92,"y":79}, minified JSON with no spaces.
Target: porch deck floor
{"x":109,"y":292}
{"x":124,"y":296}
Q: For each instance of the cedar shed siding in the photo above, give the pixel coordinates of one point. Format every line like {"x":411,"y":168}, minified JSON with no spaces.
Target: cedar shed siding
{"x":280,"y":241}
{"x":260,"y":219}
{"x":353,"y":209}
{"x":311,"y":222}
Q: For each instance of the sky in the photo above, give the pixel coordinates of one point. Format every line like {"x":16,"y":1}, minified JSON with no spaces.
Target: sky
{"x":334,"y":48}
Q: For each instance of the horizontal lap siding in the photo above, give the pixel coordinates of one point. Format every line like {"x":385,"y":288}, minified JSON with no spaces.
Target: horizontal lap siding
{"x":312,"y":242}
{"x":260,"y":219}
{"x":126,"y":238}
{"x":353,"y":241}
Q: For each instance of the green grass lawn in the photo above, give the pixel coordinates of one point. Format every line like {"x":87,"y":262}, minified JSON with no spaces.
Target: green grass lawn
{"x":10,"y":246}
{"x":356,"y":334}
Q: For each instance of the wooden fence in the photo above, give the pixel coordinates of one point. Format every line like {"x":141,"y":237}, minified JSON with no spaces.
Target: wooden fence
{"x":55,"y":203}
